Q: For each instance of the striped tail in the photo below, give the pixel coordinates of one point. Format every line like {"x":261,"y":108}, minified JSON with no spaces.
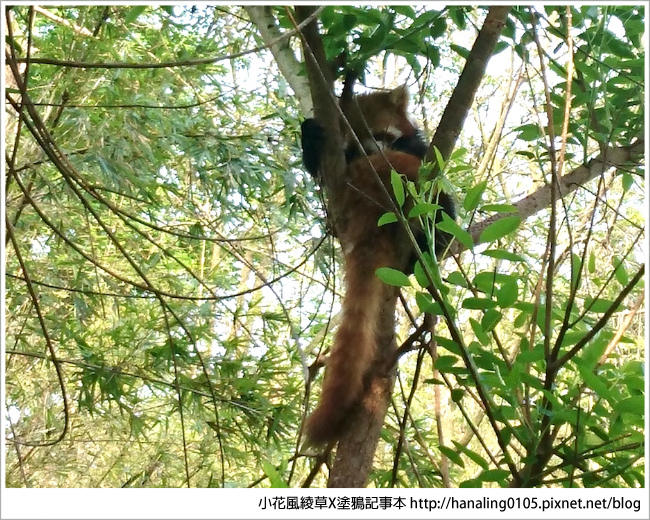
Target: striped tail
{"x":353,"y":350}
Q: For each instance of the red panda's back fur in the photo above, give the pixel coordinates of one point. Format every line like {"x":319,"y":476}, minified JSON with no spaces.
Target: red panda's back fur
{"x":366,"y":247}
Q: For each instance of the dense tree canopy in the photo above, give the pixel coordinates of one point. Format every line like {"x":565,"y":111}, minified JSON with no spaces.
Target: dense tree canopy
{"x":172,"y":281}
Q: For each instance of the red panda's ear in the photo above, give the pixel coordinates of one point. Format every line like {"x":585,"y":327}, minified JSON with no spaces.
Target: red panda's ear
{"x":400,"y":96}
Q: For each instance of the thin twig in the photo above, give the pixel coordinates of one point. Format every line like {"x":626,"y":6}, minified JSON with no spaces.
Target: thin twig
{"x":48,"y":341}
{"x":170,"y":64}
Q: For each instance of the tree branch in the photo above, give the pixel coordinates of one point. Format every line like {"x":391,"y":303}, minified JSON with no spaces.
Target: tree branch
{"x":262,"y":17}
{"x":595,"y":328}
{"x":541,"y":199}
{"x":622,"y":329}
{"x":326,"y":109}
{"x":168,"y":64}
{"x":462,"y":98}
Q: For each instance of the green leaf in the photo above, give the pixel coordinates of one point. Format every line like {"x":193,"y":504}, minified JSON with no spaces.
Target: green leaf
{"x":421,"y":275}
{"x":450,"y":226}
{"x":274,"y":476}
{"x":457,"y":278}
{"x":487,"y":281}
{"x":528,"y":132}
{"x":433,"y":55}
{"x":494,"y":475}
{"x":408,"y":46}
{"x":393,"y":277}
{"x":444,"y":363}
{"x":478,"y":331}
{"x":566,"y":416}
{"x":138,"y":425}
{"x":472,"y":455}
{"x":591,"y":265}
{"x":447,"y":343}
{"x":458,"y":154}
{"x":594,"y":350}
{"x":458,"y":15}
{"x":576,"y":270}
{"x":398,"y":187}
{"x":500,"y":47}
{"x":627,"y":181}
{"x":633,"y":405}
{"x":432,"y":269}
{"x":530,"y":356}
{"x":553,"y":399}
{"x":502,"y":254}
{"x":349,"y":21}
{"x":490,"y":319}
{"x":457,"y":395}
{"x":507,"y":294}
{"x":619,"y":271}
{"x":133,"y":13}
{"x":473,"y":197}
{"x":470,"y":484}
{"x":532,"y":381}
{"x":438,"y":27}
{"x":439,"y":159}
{"x":404,"y":10}
{"x":452,"y":455}
{"x":594,"y":382}
{"x":598,"y":305}
{"x":473,"y":302}
{"x":106,"y":167}
{"x":387,"y":218}
{"x":426,"y":304}
{"x":462,"y":51}
{"x":500,"y":229}
{"x":423,"y":208}
{"x":620,"y":48}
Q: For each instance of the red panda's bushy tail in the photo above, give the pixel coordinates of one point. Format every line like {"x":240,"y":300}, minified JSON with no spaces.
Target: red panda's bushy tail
{"x":353,"y":349}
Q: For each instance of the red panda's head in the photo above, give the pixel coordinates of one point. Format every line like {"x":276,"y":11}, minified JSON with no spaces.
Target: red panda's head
{"x":381,"y":118}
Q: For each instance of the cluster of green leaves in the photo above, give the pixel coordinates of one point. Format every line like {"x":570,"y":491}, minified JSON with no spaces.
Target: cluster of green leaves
{"x":609,"y":59}
{"x":413,"y":33}
{"x":162,"y":260}
{"x":543,"y":369}
{"x":182,"y":329}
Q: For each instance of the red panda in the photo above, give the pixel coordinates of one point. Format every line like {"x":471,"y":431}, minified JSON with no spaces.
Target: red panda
{"x":390,"y":141}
